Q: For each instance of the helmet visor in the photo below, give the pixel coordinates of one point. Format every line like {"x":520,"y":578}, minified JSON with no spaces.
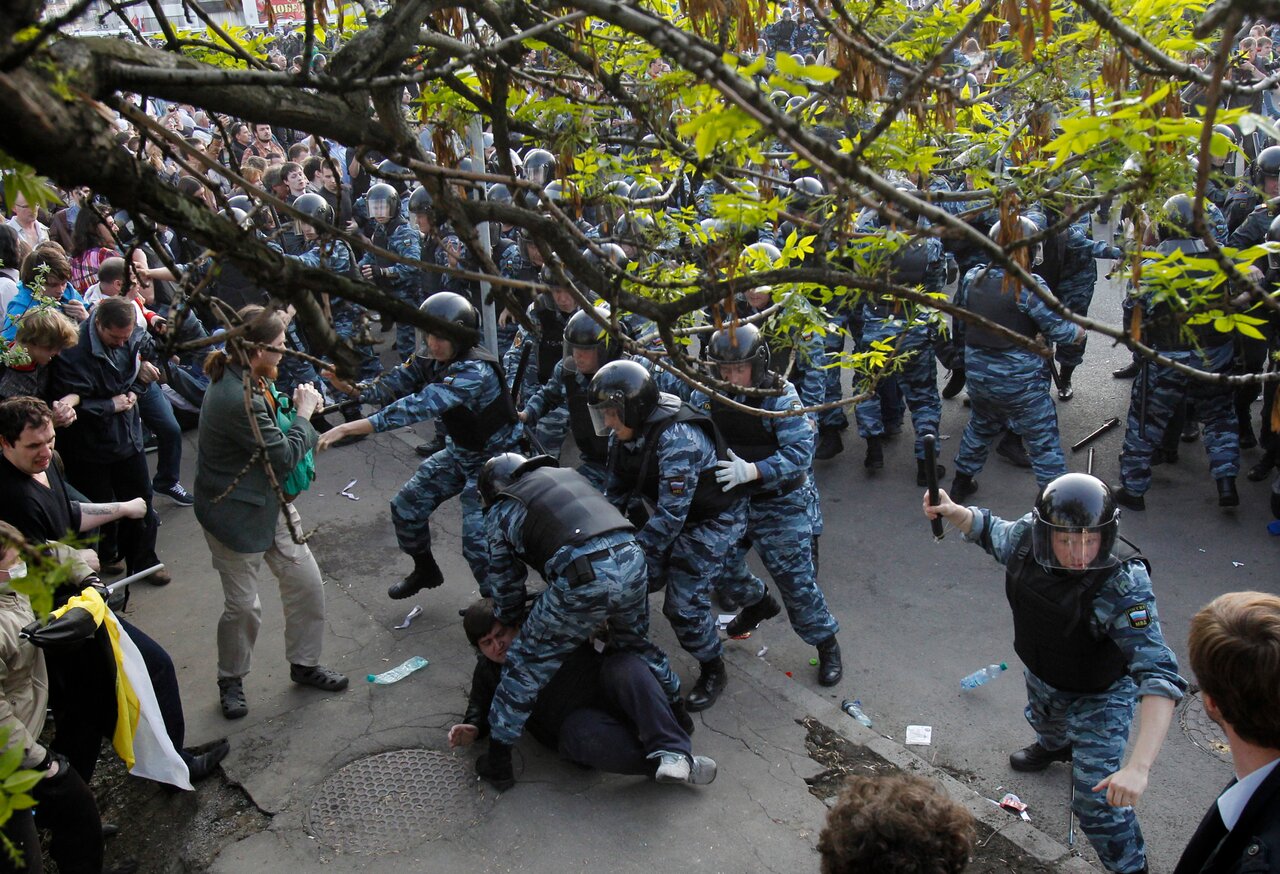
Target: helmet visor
{"x":1073,"y":549}
{"x":600,"y":418}
{"x":379,"y":208}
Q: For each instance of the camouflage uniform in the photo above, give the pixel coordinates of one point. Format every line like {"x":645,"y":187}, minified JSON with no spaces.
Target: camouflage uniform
{"x":917,"y":381}
{"x":567,"y":390}
{"x":1011,"y":386}
{"x":1097,"y":725}
{"x":336,"y":257}
{"x":778,"y":523}
{"x":405,"y":280}
{"x":565,"y":615}
{"x":685,"y":555}
{"x":1073,"y":276}
{"x":426,"y":390}
{"x":544,"y":355}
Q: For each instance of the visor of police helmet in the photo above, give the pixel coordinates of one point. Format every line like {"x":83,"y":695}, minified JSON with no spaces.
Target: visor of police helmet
{"x":582,"y":333}
{"x":383,"y":202}
{"x":316,"y":209}
{"x":499,"y":193}
{"x":539,"y":166}
{"x":1075,"y":524}
{"x":624,"y":387}
{"x":497,"y":474}
{"x":739,"y":344}
{"x":420,"y":201}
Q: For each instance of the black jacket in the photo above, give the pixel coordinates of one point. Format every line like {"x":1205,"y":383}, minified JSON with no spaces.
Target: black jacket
{"x":1252,"y":847}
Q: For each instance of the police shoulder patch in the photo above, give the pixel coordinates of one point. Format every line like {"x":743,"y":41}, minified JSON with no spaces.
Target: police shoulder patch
{"x":1139,"y":616}
{"x":676,"y":484}
{"x":518,"y":340}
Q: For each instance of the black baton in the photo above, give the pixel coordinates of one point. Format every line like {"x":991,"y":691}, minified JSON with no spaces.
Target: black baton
{"x":931,"y":472}
{"x":341,"y":405}
{"x":1102,"y":429}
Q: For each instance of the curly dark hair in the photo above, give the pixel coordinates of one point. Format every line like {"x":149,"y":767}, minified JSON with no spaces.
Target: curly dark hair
{"x":895,"y":824}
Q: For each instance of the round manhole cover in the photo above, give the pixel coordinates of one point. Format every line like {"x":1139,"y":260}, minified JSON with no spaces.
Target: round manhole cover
{"x":394,"y":800}
{"x":1201,"y":730}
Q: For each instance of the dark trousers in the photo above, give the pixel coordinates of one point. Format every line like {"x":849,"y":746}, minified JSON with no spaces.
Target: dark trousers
{"x":633,"y":721}
{"x":123,"y":480}
{"x":64,"y":806}
{"x":82,"y":696}
{"x":157,"y":414}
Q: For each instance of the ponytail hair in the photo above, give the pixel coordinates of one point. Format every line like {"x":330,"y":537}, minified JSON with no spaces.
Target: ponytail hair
{"x":261,"y":327}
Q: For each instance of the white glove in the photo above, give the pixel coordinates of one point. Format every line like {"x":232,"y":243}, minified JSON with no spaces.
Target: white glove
{"x":734,"y":472}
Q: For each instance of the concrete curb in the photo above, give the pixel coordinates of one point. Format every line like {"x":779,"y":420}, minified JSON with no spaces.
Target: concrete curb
{"x":1023,"y":835}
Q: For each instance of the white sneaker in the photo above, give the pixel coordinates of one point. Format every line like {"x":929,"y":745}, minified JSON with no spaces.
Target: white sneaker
{"x":678,"y":768}
{"x":673,"y":768}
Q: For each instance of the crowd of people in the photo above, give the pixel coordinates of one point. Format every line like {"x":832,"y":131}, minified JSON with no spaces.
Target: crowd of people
{"x":670,"y":484}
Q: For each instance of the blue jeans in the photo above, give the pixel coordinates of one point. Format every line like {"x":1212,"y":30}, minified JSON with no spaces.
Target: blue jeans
{"x":157,"y":414}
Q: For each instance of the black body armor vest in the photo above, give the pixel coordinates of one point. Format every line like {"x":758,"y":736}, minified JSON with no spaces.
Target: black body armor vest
{"x":747,"y":435}
{"x":591,"y":446}
{"x":987,"y":298}
{"x":551,"y":324}
{"x":638,"y":468}
{"x":563,"y":509}
{"x":471,"y":428}
{"x":1053,"y":631}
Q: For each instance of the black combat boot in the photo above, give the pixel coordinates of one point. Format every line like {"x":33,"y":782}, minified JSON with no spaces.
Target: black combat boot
{"x":922,"y":472}
{"x":711,"y":683}
{"x":830,"y":668}
{"x":681,"y":713}
{"x":1037,"y":758}
{"x":962,"y":487}
{"x":829,"y":443}
{"x":426,"y":574}
{"x":875,"y":454}
{"x":954,"y":384}
{"x":1227,"y":495}
{"x":1010,"y":448}
{"x":751,"y":617}
{"x":1129,"y":371}
{"x":1126,"y":498}
{"x":1065,"y":391}
{"x":494,"y":767}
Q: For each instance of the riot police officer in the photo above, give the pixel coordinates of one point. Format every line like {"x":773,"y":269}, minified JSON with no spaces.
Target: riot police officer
{"x":556,"y":522}
{"x":390,"y":231}
{"x":533,"y":357}
{"x":1159,"y":389}
{"x":1007,"y":383}
{"x":770,"y":457}
{"x":664,"y":453}
{"x":462,"y":384}
{"x":1086,"y":627}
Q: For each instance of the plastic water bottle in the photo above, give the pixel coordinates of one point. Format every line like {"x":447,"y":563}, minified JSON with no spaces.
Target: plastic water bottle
{"x":396,"y":674}
{"x":854,"y":709}
{"x":986,"y":675}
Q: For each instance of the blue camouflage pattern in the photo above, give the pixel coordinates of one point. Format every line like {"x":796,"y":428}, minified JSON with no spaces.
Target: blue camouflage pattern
{"x":687,"y":558}
{"x":405,"y":281}
{"x":1097,"y":725}
{"x":348,"y":317}
{"x":1011,"y":387}
{"x":451,"y":471}
{"x":1077,"y":280}
{"x":1166,"y":389}
{"x":778,"y":525}
{"x":565,"y":614}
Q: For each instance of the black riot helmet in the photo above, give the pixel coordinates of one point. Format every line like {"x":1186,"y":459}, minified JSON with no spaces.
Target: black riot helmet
{"x":420,"y":201}
{"x":316,"y":208}
{"x":383,"y":202}
{"x":626,"y":387}
{"x":539,"y":166}
{"x":1075,"y":524}
{"x":585,"y":333}
{"x":1179,"y":218}
{"x":393,"y":174}
{"x":499,"y":193}
{"x":1227,"y":131}
{"x":449,"y":307}
{"x":1267,"y":164}
{"x":497,"y":474}
{"x":740,"y":344}
{"x":1273,"y":236}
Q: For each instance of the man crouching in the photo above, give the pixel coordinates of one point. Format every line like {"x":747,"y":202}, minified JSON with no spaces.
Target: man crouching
{"x":601,"y":710}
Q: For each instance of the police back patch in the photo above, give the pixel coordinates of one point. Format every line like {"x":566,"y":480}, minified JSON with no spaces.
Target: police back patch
{"x":1139,"y":616}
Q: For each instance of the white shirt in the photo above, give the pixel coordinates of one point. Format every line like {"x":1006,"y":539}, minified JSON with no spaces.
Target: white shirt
{"x":42,"y":232}
{"x":1231,"y":804}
